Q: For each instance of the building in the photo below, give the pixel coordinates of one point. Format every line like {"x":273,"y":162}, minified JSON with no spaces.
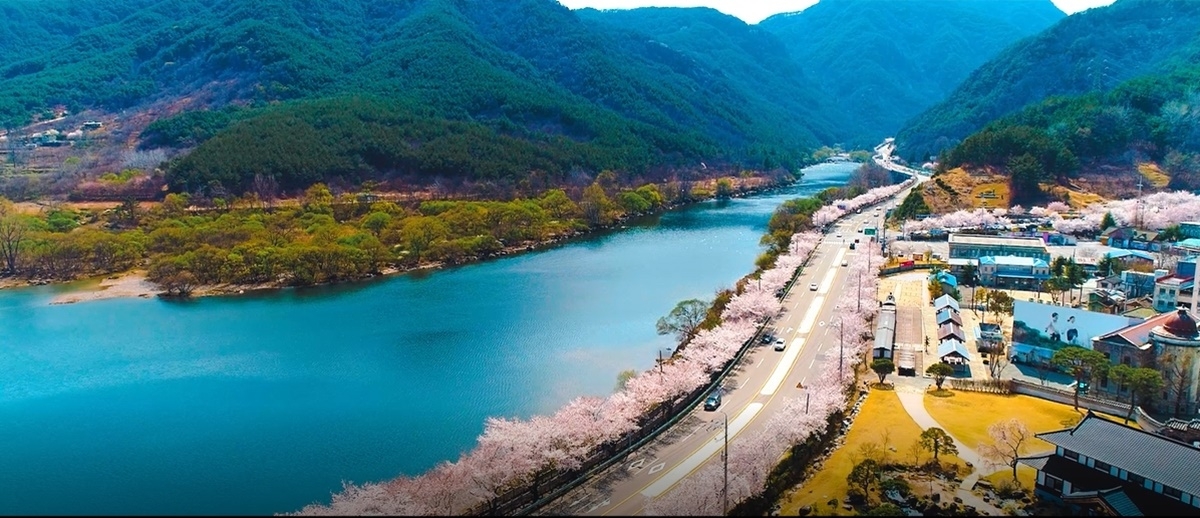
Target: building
{"x":1186,"y":266}
{"x":945,"y":301}
{"x":1130,"y":238}
{"x":1138,"y":284}
{"x":946,"y":279}
{"x":1189,"y":245}
{"x":970,"y":246}
{"x":1190,"y":229}
{"x":1011,"y":272}
{"x":959,"y":266}
{"x":953,"y":352}
{"x":1168,"y":343}
{"x":885,"y":330}
{"x":947,"y":315}
{"x":988,"y":336}
{"x":1173,"y":291}
{"x":1132,"y":257}
{"x":951,"y":331}
{"x":1100,"y":467}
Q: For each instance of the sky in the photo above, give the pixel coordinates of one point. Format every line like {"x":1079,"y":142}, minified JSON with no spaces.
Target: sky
{"x":754,"y":11}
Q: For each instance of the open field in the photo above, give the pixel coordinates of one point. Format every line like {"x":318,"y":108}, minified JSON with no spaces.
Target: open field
{"x":881,"y":411}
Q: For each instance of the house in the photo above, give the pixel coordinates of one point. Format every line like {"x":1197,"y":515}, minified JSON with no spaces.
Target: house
{"x":954,"y":353}
{"x":1103,"y":300}
{"x":945,"y":301}
{"x":970,"y":246}
{"x":1013,"y":272}
{"x":1131,"y":257}
{"x":1173,"y":291}
{"x":988,"y":336}
{"x":1130,"y":238}
{"x":946,"y":315}
{"x":946,"y":279}
{"x":959,"y":266}
{"x":1138,"y":284}
{"x":1186,"y":266}
{"x":951,"y":330}
{"x":92,"y":125}
{"x":885,"y":330}
{"x":1168,"y":343}
{"x":1190,"y":245}
{"x":1107,"y":468}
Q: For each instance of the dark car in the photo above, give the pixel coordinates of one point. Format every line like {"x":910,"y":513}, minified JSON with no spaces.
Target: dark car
{"x":713,"y":401}
{"x":852,"y":246}
{"x":766,"y":339}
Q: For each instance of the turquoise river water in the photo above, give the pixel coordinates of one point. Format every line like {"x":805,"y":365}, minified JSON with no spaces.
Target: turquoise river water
{"x":263,"y":403}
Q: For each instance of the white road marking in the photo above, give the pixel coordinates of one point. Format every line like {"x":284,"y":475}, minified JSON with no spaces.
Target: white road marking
{"x":810,"y":317}
{"x":657,"y":467}
{"x":781,"y":370}
{"x":760,"y":361}
{"x":682,"y":470}
{"x":828,"y":281}
{"x":810,"y":364}
{"x":599,"y":505}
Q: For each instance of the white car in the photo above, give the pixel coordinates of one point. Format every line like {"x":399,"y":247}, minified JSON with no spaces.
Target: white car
{"x":812,"y":286}
{"x":845,"y":262}
{"x":779,"y":345}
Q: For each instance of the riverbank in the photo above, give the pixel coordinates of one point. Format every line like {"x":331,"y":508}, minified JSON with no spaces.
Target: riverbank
{"x":135,"y":283}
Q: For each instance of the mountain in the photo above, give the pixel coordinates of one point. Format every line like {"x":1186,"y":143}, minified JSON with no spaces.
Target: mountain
{"x":355,"y":89}
{"x":1097,"y":49}
{"x":753,"y":59}
{"x":885,"y":61}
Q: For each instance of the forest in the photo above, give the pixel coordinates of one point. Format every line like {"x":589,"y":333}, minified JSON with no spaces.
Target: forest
{"x":1150,"y":118}
{"x":1093,"y":51}
{"x":263,"y":80}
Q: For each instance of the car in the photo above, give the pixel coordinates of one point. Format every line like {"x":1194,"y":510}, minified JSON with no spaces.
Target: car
{"x":856,"y":240}
{"x":845,"y":262}
{"x":766,"y":339}
{"x":852,"y":246}
{"x":812,"y":286}
{"x":779,"y":345}
{"x":713,"y":401}
{"x":839,"y":234}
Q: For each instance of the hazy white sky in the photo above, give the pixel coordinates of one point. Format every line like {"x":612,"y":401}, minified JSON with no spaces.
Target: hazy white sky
{"x":754,"y":11}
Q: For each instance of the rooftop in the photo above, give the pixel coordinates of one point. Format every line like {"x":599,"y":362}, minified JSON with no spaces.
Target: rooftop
{"x":1180,"y":324}
{"x":946,"y":301}
{"x":1136,"y":335}
{"x":1119,"y":254}
{"x":971,"y":239}
{"x":1174,"y":280}
{"x":951,"y":347}
{"x":1155,"y":457}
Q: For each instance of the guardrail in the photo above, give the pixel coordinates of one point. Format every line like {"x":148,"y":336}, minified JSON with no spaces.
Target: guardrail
{"x":527,"y":503}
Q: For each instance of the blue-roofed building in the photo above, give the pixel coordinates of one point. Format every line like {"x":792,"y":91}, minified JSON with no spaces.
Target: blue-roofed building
{"x":1010,"y":272}
{"x":1190,"y":229}
{"x":1186,"y":267}
{"x":1131,"y":256}
{"x":955,"y":353}
{"x":945,"y":301}
{"x":946,"y":315}
{"x":948,"y":281}
{"x":1191,"y":244}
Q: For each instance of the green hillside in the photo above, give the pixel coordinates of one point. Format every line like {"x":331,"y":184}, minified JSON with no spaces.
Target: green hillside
{"x":1094,"y":50}
{"x":578,"y":97}
{"x":885,"y":61}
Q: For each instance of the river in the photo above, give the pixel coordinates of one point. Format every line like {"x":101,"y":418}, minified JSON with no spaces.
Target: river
{"x":264,"y":403}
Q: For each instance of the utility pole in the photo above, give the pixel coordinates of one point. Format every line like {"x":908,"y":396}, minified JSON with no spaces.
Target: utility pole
{"x":1140,"y":216}
{"x":660,"y":362}
{"x":841,"y":346}
{"x":860,"y":290}
{"x":725,"y":460}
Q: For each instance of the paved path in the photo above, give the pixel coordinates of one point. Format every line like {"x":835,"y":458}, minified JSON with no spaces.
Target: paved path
{"x":912,"y":398}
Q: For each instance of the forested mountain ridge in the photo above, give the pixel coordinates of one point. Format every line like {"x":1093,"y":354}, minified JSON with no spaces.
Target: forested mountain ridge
{"x":1097,"y":49}
{"x":885,"y":61}
{"x":459,"y":74}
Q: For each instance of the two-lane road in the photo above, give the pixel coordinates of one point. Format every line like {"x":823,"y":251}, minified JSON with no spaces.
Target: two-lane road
{"x":752,"y":394}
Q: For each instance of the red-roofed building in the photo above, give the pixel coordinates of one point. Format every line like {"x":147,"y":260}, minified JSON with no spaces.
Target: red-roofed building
{"x":1168,"y":343}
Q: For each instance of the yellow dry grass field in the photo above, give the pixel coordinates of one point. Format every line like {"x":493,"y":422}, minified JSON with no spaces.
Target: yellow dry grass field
{"x":1026,"y":476}
{"x":1076,"y":199}
{"x":1153,"y":174}
{"x":881,"y":411}
{"x":967,"y":416}
{"x":970,"y":190}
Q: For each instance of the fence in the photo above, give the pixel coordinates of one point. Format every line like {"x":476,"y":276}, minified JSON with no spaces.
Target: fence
{"x":526,"y":499}
{"x":989,"y":386}
{"x":1068,"y":397}
{"x":884,"y":272}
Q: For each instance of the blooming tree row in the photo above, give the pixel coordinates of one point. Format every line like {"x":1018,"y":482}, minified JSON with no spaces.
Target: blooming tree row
{"x":959,"y":219}
{"x":834,"y":211}
{"x":514,"y":452}
{"x":752,"y":455}
{"x":1155,"y":211}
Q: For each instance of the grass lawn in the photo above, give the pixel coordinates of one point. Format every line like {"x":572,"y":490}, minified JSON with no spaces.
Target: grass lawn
{"x":881,"y":411}
{"x":967,"y":416}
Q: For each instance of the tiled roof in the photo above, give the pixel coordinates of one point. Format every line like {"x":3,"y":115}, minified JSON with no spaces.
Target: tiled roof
{"x":1138,"y":334}
{"x":950,"y":329}
{"x":1155,"y":457}
{"x":1117,"y":254}
{"x":1095,"y":485}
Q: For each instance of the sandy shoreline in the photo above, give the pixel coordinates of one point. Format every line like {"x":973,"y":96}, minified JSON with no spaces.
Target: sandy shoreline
{"x":130,"y":284}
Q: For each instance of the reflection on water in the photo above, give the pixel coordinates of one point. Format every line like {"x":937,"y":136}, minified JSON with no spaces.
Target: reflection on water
{"x":265,"y":402}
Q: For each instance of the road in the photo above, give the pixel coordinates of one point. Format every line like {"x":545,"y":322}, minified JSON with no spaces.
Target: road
{"x":753,"y":393}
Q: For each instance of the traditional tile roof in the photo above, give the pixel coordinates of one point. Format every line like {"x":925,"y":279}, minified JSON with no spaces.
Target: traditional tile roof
{"x":1155,"y":457}
{"x":1090,"y":485}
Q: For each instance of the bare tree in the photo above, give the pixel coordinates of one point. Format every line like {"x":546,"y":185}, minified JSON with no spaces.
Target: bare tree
{"x":267,"y":189}
{"x":13,"y":230}
{"x":1007,"y":438}
{"x":998,"y":360}
{"x":1178,"y":378}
